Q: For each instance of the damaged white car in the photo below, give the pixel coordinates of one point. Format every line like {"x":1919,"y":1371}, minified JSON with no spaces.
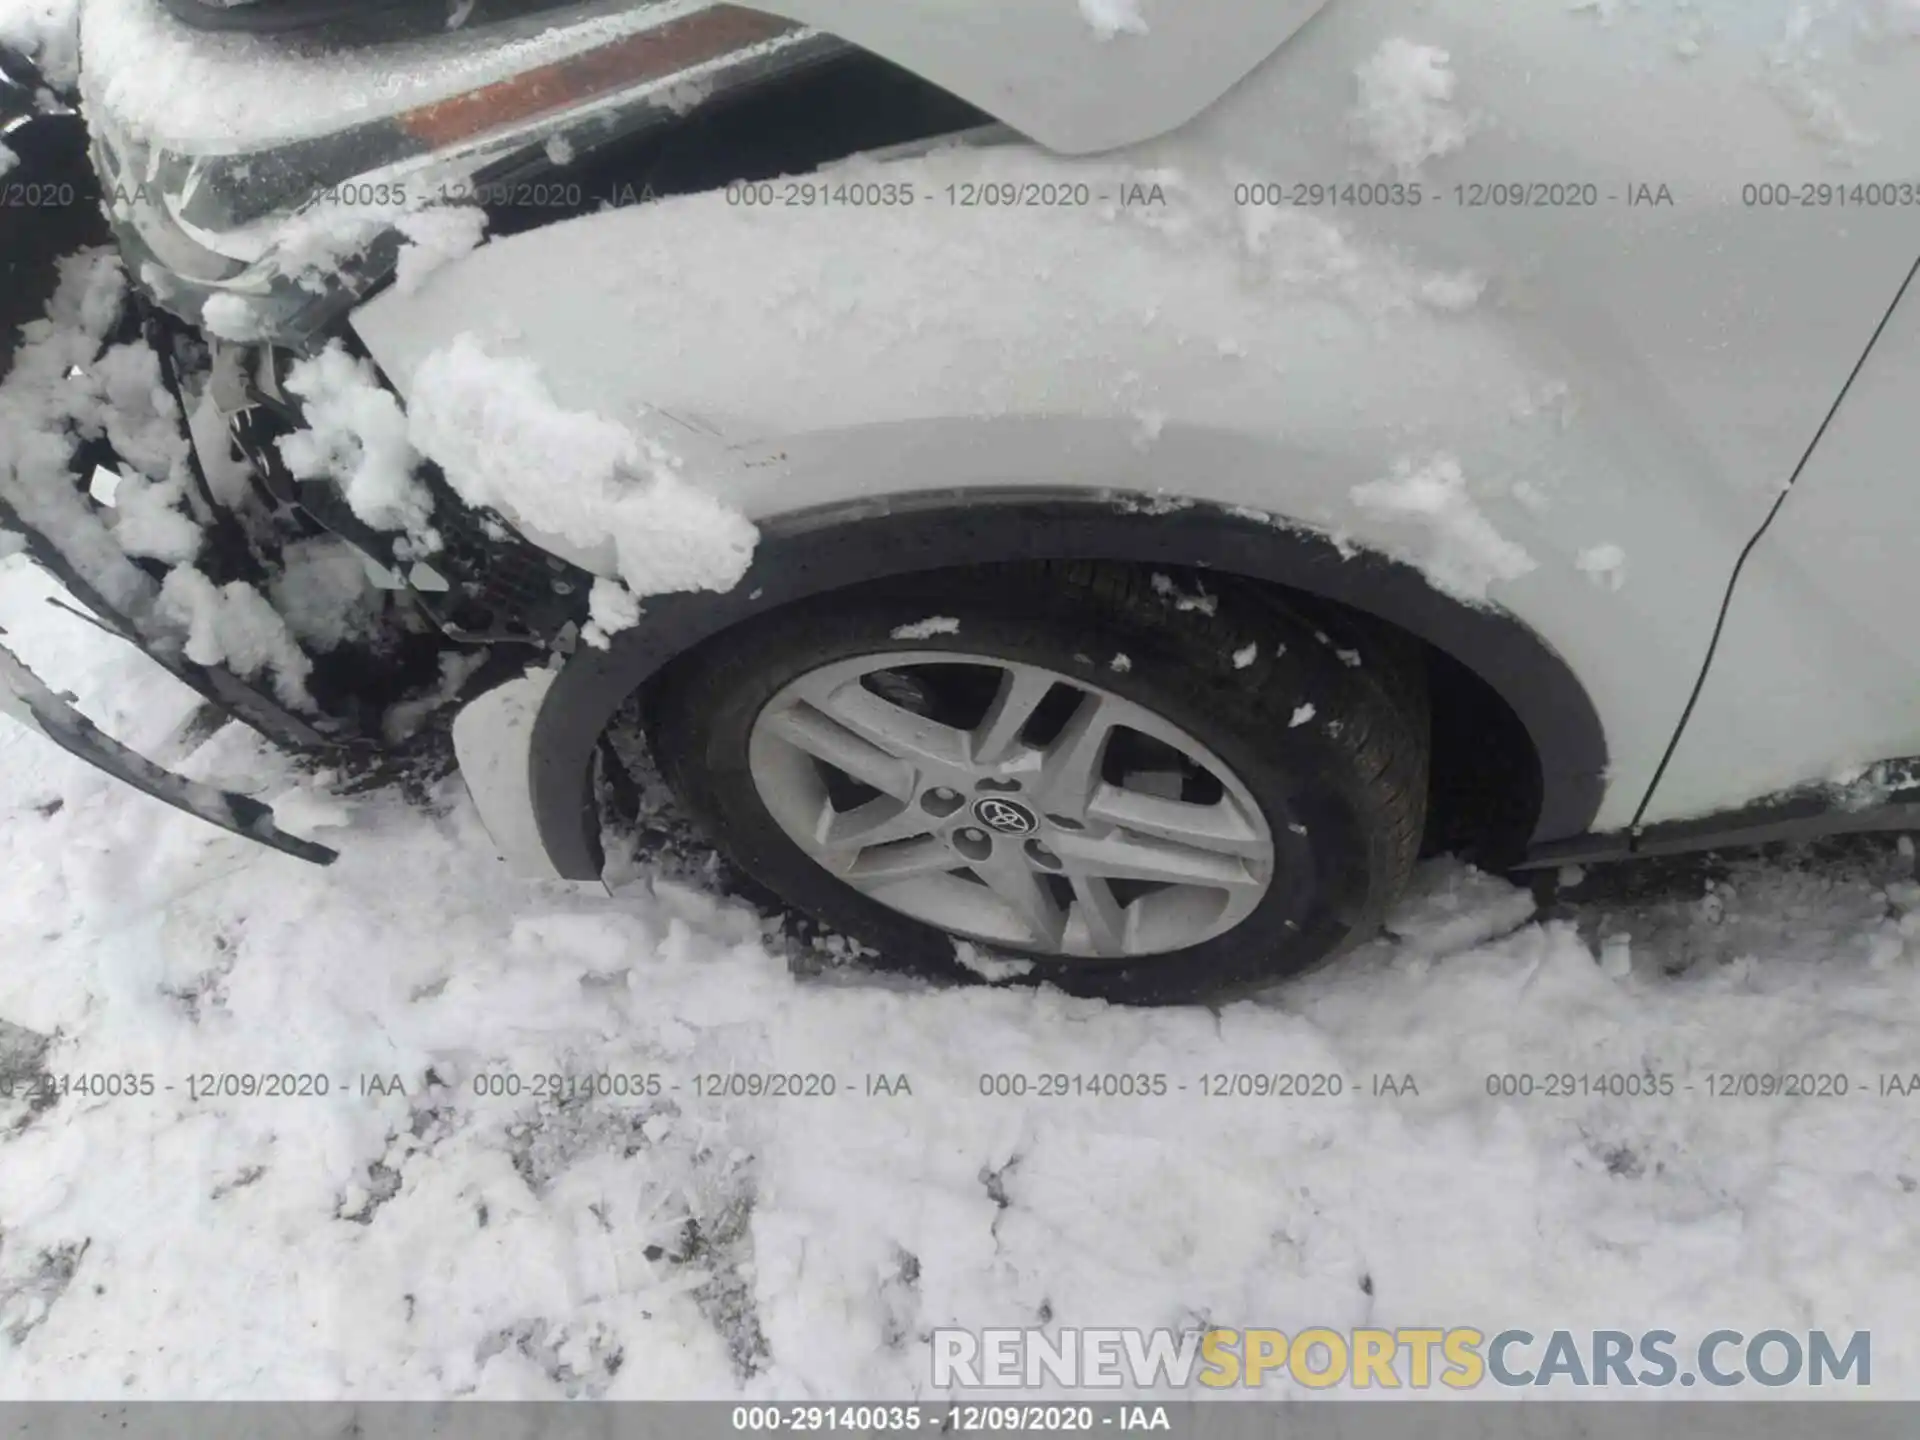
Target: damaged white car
{"x":1100,"y":486}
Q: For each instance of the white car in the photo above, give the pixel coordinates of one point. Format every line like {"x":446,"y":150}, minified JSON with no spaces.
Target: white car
{"x":1103,"y":486}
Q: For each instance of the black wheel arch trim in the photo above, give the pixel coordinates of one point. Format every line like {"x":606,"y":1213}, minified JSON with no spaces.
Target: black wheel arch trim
{"x":810,"y":552}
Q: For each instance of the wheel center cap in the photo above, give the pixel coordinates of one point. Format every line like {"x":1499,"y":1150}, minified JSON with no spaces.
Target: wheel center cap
{"x":1006,"y":816}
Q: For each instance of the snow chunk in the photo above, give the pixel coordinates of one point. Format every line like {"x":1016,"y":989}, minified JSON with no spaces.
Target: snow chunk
{"x":559,"y":150}
{"x":612,"y":608}
{"x":1604,"y":565}
{"x":503,"y":442}
{"x":1120,"y":664}
{"x":987,"y":965}
{"x":1465,"y":553}
{"x":357,"y":436}
{"x":1200,"y":600}
{"x":1113,"y":17}
{"x":324,"y":593}
{"x":7,"y":159}
{"x":1245,"y":656}
{"x":435,"y":237}
{"x":1405,"y":115}
{"x":232,"y":317}
{"x":233,"y":625}
{"x":932,"y":625}
{"x":150,"y":521}
{"x":1301,"y":716}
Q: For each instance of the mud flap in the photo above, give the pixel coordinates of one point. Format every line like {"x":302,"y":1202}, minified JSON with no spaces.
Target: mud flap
{"x":27,"y":698}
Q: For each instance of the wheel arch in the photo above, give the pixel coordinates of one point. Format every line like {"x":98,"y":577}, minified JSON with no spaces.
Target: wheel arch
{"x":814,"y":551}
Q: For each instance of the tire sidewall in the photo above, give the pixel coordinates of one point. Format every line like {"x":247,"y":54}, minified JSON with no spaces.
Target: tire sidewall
{"x":1326,"y":856}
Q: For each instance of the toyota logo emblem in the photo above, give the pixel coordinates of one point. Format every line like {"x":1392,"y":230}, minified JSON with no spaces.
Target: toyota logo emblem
{"x":1005,"y":816}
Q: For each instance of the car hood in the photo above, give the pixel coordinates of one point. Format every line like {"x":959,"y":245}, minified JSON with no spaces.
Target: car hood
{"x":1078,"y":76}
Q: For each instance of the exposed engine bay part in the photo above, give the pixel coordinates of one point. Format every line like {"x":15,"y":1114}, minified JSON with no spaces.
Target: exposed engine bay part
{"x":27,"y":699}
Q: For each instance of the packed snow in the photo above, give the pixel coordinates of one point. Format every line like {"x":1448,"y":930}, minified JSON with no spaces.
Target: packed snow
{"x":503,"y":443}
{"x":437,"y":1241}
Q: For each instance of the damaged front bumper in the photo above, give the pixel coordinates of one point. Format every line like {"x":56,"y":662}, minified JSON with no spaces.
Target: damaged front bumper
{"x":28,"y":699}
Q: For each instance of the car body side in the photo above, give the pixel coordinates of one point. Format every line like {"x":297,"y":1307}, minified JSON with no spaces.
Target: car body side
{"x":1631,"y":380}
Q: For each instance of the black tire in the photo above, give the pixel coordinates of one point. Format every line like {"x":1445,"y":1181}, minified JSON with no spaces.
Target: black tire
{"x":1355,"y":776}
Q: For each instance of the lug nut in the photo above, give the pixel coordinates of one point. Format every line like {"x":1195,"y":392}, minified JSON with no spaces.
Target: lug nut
{"x":972,"y":843}
{"x":1042,"y":856}
{"x":941,"y":801}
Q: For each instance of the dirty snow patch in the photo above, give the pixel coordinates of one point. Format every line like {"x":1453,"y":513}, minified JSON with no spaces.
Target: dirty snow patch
{"x":1110,"y":18}
{"x":1464,"y":554}
{"x":504,"y":442}
{"x":612,"y":607}
{"x":1405,"y":115}
{"x":932,"y":625}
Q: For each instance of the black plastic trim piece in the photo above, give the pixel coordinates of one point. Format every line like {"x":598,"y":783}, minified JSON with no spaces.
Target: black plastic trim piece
{"x":810,"y":552}
{"x":1807,"y":813}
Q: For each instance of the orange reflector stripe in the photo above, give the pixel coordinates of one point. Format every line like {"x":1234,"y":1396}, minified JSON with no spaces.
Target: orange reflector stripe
{"x":650,"y":55}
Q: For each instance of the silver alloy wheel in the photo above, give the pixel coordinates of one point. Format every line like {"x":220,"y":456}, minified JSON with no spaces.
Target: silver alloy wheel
{"x":1021,"y":824}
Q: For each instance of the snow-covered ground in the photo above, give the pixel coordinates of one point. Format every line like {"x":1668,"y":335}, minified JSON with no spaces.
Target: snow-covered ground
{"x":433,"y":1241}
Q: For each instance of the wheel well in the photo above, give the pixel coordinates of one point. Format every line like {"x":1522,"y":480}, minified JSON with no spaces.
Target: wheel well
{"x":1518,"y":741}
{"x":1485,"y":779}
